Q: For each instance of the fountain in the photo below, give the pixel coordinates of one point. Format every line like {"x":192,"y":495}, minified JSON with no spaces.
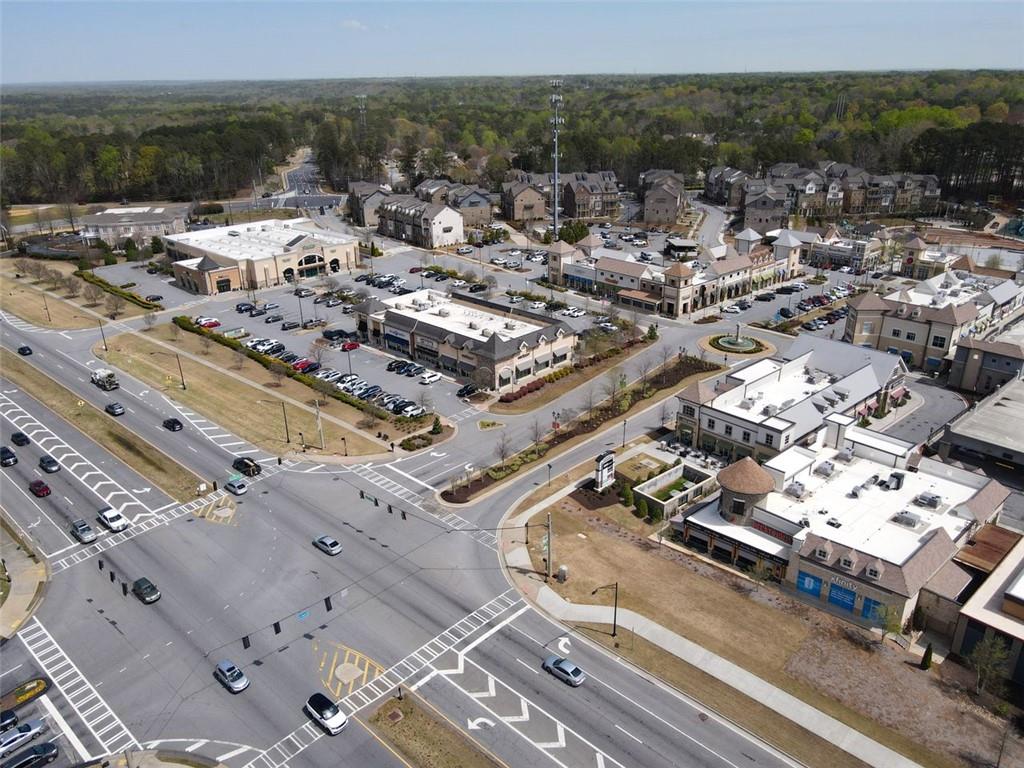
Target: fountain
{"x":737,"y":344}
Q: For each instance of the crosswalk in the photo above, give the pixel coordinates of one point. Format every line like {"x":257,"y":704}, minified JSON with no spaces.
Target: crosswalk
{"x":394,"y":488}
{"x":466,"y":413}
{"x":95,"y":479}
{"x":105,"y":726}
{"x":387,"y":683}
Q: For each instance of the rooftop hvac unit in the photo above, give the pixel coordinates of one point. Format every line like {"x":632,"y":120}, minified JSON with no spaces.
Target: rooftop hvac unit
{"x":747,"y":403}
{"x":473,"y":326}
{"x":826,"y":468}
{"x":796,"y":490}
{"x":928,"y":499}
{"x":787,"y":403}
{"x":510,"y":325}
{"x":443,"y":313}
{"x":845,"y":455}
{"x":770,"y":410}
{"x":805,"y":522}
{"x":833,"y":522}
{"x":856,"y":491}
{"x":896,"y":481}
{"x":907,"y":519}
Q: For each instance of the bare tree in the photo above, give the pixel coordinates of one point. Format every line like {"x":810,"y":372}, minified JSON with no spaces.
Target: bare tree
{"x":114,"y":304}
{"x":205,"y":342}
{"x":614,"y":381}
{"x":589,"y":400}
{"x":175,"y":331}
{"x":278,"y":371}
{"x":503,"y":447}
{"x":643,"y":367}
{"x":23,"y":266}
{"x":55,"y":278}
{"x":318,"y":349}
{"x":483,"y":378}
{"x":331,"y":283}
{"x":150,"y":320}
{"x":424,"y":399}
{"x":491,"y":282}
{"x":36,"y":269}
{"x":536,"y":431}
{"x":237,"y":361}
{"x":73,"y":286}
{"x":664,"y":355}
{"x":469,"y":276}
{"x":93,"y":294}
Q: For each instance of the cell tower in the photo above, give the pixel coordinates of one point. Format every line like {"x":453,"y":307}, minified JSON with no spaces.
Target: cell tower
{"x":361,"y":104}
{"x":556,"y":121}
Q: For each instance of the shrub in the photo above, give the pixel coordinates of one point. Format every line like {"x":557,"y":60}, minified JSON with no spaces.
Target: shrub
{"x":627,"y":495}
{"x":204,"y":209}
{"x":134,"y":298}
{"x":926,"y":660}
{"x":436,"y":428}
{"x":415,"y":442}
{"x":109,"y":259}
{"x":641,"y":508}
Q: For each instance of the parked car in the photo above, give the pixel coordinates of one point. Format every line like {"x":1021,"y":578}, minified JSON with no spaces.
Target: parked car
{"x":765,"y":296}
{"x":8,"y":719}
{"x":15,"y":737}
{"x":289,"y":325}
{"x":243,"y":306}
{"x":787,"y":313}
{"x":112,"y":519}
{"x":257,"y":312}
{"x":731,"y":310}
{"x":466,"y":390}
{"x":247,"y":466}
{"x":326,"y":713}
{"x":230,"y":676}
{"x":7,"y":457}
{"x":236,"y":487}
{"x":327,"y":545}
{"x":82,"y":531}
{"x":173,"y":425}
{"x":20,"y":438}
{"x":40,"y":754}
{"x":39,"y":489}
{"x":48,"y":464}
{"x":464,"y":250}
{"x":430,"y":377}
{"x":349,"y":346}
{"x":154,"y":297}
{"x":415,"y":370}
{"x":564,"y":670}
{"x":145,"y":590}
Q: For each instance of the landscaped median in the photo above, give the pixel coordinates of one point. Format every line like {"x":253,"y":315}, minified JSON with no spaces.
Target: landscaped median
{"x":236,"y":392}
{"x":157,"y":467}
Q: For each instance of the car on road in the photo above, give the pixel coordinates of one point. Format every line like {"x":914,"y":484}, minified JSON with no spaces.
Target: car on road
{"x":39,"y":489}
{"x":7,"y":457}
{"x":25,"y":350}
{"x":145,"y":590}
{"x":22,"y":734}
{"x":606,"y":225}
{"x":20,"y":438}
{"x":498,"y":261}
{"x":82,"y":531}
{"x":172,"y":425}
{"x":154,"y":297}
{"x":236,"y":487}
{"x":430,"y":377}
{"x":459,"y":283}
{"x":208,"y":322}
{"x":564,"y":670}
{"x":326,"y":713}
{"x":477,"y":287}
{"x":464,"y":250}
{"x":8,"y":719}
{"x":40,"y":754}
{"x":230,"y":676}
{"x":153,"y":271}
{"x":731,"y":310}
{"x":48,"y":464}
{"x":466,"y":390}
{"x":247,"y":466}
{"x":112,"y":519}
{"x":441,"y":278}
{"x":114,"y":409}
{"x":327,"y":545}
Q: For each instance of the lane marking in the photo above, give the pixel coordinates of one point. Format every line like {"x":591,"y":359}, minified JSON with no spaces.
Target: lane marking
{"x":12,"y":669}
{"x":634,"y":738}
{"x":529,"y":666}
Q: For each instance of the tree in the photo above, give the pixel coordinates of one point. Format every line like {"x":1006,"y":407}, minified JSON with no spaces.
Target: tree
{"x":318,"y":349}
{"x":483,"y":378}
{"x":55,"y":278}
{"x":664,"y":356}
{"x":495,"y":170}
{"x":536,"y":431}
{"x":627,"y":495}
{"x":652,"y":332}
{"x":641,"y":508}
{"x":989,"y":661}
{"x":114,"y":304}
{"x":436,"y":428}
{"x":175,"y":330}
{"x":503,"y":447}
{"x":889,"y":619}
{"x":573,"y":231}
{"x":926,"y":660}
{"x":761,"y":573}
{"x":131,"y":250}
{"x":589,"y":400}
{"x":73,"y":286}
{"x":643,"y":367}
{"x":995,"y":261}
{"x":492,"y":282}
{"x":278,"y":371}
{"x":237,"y":360}
{"x":156,"y":245}
{"x":150,"y":320}
{"x":408,"y":159}
{"x":22,"y":266}
{"x":205,"y":343}
{"x":614,"y":381}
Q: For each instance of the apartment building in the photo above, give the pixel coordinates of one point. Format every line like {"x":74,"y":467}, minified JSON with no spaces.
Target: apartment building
{"x":364,"y":199}
{"x":725,"y":185}
{"x":522,"y":201}
{"x":858,"y":255}
{"x":590,"y":195}
{"x":663,"y":195}
{"x":771,"y":404}
{"x":115,"y":225}
{"x":415,"y":221}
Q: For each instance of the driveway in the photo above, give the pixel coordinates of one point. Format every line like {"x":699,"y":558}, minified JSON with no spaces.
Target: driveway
{"x":940,"y":406}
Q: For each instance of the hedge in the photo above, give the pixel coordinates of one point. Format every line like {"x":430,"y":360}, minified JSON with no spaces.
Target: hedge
{"x":368,"y":408}
{"x":530,"y":455}
{"x":416,"y":442}
{"x":204,"y":209}
{"x":134,"y":298}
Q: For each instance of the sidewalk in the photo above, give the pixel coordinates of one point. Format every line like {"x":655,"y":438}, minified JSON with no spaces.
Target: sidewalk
{"x":156,"y":758}
{"x":520,"y":570}
{"x":28,"y":577}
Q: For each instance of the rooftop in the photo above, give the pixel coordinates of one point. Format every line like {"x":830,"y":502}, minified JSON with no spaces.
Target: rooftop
{"x":987,"y":604}
{"x":996,"y":420}
{"x":437,"y":309}
{"x":260,"y":239}
{"x":139,"y":215}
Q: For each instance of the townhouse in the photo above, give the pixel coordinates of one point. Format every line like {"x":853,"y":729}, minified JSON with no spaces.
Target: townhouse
{"x":364,"y":199}
{"x":663,"y":196}
{"x":590,"y":195}
{"x":522,"y":201}
{"x":415,"y":221}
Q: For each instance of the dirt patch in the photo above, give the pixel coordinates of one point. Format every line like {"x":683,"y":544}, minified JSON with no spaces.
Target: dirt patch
{"x":423,"y":737}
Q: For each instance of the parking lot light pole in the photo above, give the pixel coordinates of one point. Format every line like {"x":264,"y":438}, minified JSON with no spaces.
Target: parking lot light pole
{"x":624,"y":433}
{"x":615,"y":608}
{"x":348,"y":352}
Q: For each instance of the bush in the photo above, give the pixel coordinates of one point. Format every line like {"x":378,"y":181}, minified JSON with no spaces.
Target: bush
{"x":926,"y":660}
{"x":627,"y":495}
{"x":641,"y":508}
{"x":415,"y":442}
{"x":204,"y":209}
{"x":109,"y":259}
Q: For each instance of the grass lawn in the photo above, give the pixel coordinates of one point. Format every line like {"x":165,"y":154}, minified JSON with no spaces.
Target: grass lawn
{"x":638,"y":467}
{"x":425,"y":738}
{"x":157,"y":467}
{"x":233,"y":403}
{"x":244,"y":217}
{"x":679,"y":485}
{"x":24,"y":297}
{"x":749,"y":630}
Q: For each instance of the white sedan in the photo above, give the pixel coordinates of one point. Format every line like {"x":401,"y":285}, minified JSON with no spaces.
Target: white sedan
{"x":537,"y":305}
{"x":732,"y":310}
{"x":112,"y":519}
{"x":464,"y":250}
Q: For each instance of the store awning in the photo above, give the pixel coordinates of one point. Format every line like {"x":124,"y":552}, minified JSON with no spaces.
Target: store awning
{"x":543,"y":358}
{"x":641,"y":296}
{"x":898,"y":393}
{"x":524,"y":366}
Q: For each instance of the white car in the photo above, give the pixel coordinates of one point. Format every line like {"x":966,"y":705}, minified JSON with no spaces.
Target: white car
{"x":537,"y":305}
{"x":567,"y":312}
{"x":430,"y":377}
{"x":606,"y":225}
{"x":515,"y":253}
{"x":845,"y":270}
{"x":464,"y":250}
{"x":326,"y":712}
{"x":112,"y":519}
{"x":515,"y":299}
{"x":577,"y":312}
{"x":23,"y":734}
{"x":237,"y":487}
{"x":458,"y":283}
{"x":498,"y":261}
{"x":732,"y":310}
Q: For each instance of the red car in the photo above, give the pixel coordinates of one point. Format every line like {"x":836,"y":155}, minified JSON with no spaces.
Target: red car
{"x":348,"y":346}
{"x":301,"y":365}
{"x":414,"y":270}
{"x":211,"y":324}
{"x":39,"y":488}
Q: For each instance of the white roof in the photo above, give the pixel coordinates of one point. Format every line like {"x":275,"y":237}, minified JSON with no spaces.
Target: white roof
{"x":986,"y":605}
{"x":436,"y":309}
{"x":260,"y":239}
{"x":708,"y":517}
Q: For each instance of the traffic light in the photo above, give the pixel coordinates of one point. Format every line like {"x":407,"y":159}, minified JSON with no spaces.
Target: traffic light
{"x":403,"y":514}
{"x":327,"y":603}
{"x":361,"y":494}
{"x":390,"y":510}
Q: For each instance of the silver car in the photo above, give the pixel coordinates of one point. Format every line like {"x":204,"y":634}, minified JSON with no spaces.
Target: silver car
{"x":231,"y":677}
{"x":17,"y":737}
{"x":327,"y":545}
{"x":564,"y":670}
{"x":237,"y":487}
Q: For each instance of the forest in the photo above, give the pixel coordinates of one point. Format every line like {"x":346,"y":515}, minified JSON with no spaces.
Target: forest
{"x":191,"y":141}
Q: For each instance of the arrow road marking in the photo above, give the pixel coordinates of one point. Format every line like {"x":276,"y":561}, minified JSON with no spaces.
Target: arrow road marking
{"x":479,"y":722}
{"x":563,"y":645}
{"x":142,"y":490}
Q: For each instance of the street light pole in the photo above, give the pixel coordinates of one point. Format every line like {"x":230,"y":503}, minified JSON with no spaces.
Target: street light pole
{"x":102,"y":334}
{"x":549,"y":474}
{"x":615,"y":606}
{"x":180,"y":372}
{"x":348,"y":352}
{"x":624,"y":433}
{"x":301,"y":321}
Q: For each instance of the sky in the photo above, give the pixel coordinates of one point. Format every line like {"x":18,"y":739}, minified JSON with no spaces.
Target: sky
{"x":42,"y":41}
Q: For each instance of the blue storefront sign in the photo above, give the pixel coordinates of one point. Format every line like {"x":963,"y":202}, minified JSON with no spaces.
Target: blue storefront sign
{"x":869,"y":609}
{"x":808,"y":584}
{"x":841,"y":597}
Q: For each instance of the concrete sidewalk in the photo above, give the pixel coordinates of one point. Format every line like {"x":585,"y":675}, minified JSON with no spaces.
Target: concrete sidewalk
{"x":517,"y":559}
{"x":28,"y":575}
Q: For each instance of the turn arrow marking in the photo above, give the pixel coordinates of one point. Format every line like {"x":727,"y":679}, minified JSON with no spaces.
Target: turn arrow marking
{"x":563,"y":645}
{"x":143,"y":490}
{"x":478,"y":723}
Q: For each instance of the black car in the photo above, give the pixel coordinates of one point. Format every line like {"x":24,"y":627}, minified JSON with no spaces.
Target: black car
{"x":248,"y":467}
{"x":40,"y":754}
{"x":477,"y":287}
{"x":257,"y":312}
{"x":145,"y":590}
{"x":289,"y":325}
{"x":441,"y":278}
{"x":48,"y":464}
{"x":466,"y":390}
{"x":362,"y":278}
{"x":322,"y":298}
{"x":114,"y":409}
{"x":7,"y":457}
{"x":8,"y":719}
{"x":312,"y":367}
{"x":334,"y":333}
{"x":20,"y":438}
{"x":787,"y":312}
{"x":25,"y":351}
{"x":153,"y":271}
{"x":288,"y":357}
{"x":765,"y":296}
{"x":154,"y":297}
{"x":393,"y":365}
{"x":172,"y":424}
{"x":243,"y":306}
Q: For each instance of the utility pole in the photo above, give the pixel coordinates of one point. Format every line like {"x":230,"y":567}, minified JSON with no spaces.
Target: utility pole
{"x":550,"y":536}
{"x":556,"y":121}
{"x":319,"y":424}
{"x":47,"y":308}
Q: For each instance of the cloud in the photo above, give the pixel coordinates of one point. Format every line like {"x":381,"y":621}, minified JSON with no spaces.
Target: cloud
{"x":355,"y":25}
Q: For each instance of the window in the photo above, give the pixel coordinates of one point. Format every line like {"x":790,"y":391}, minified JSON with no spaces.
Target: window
{"x":746,"y":436}
{"x":728,"y":430}
{"x":939,"y":341}
{"x":895,"y":333}
{"x":911,"y":336}
{"x":786,"y":440}
{"x":873,"y":573}
{"x":867,"y":328}
{"x":739,"y":506}
{"x":821,"y":554}
{"x":711,"y":423}
{"x":769,"y":440}
{"x":847,"y":563}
